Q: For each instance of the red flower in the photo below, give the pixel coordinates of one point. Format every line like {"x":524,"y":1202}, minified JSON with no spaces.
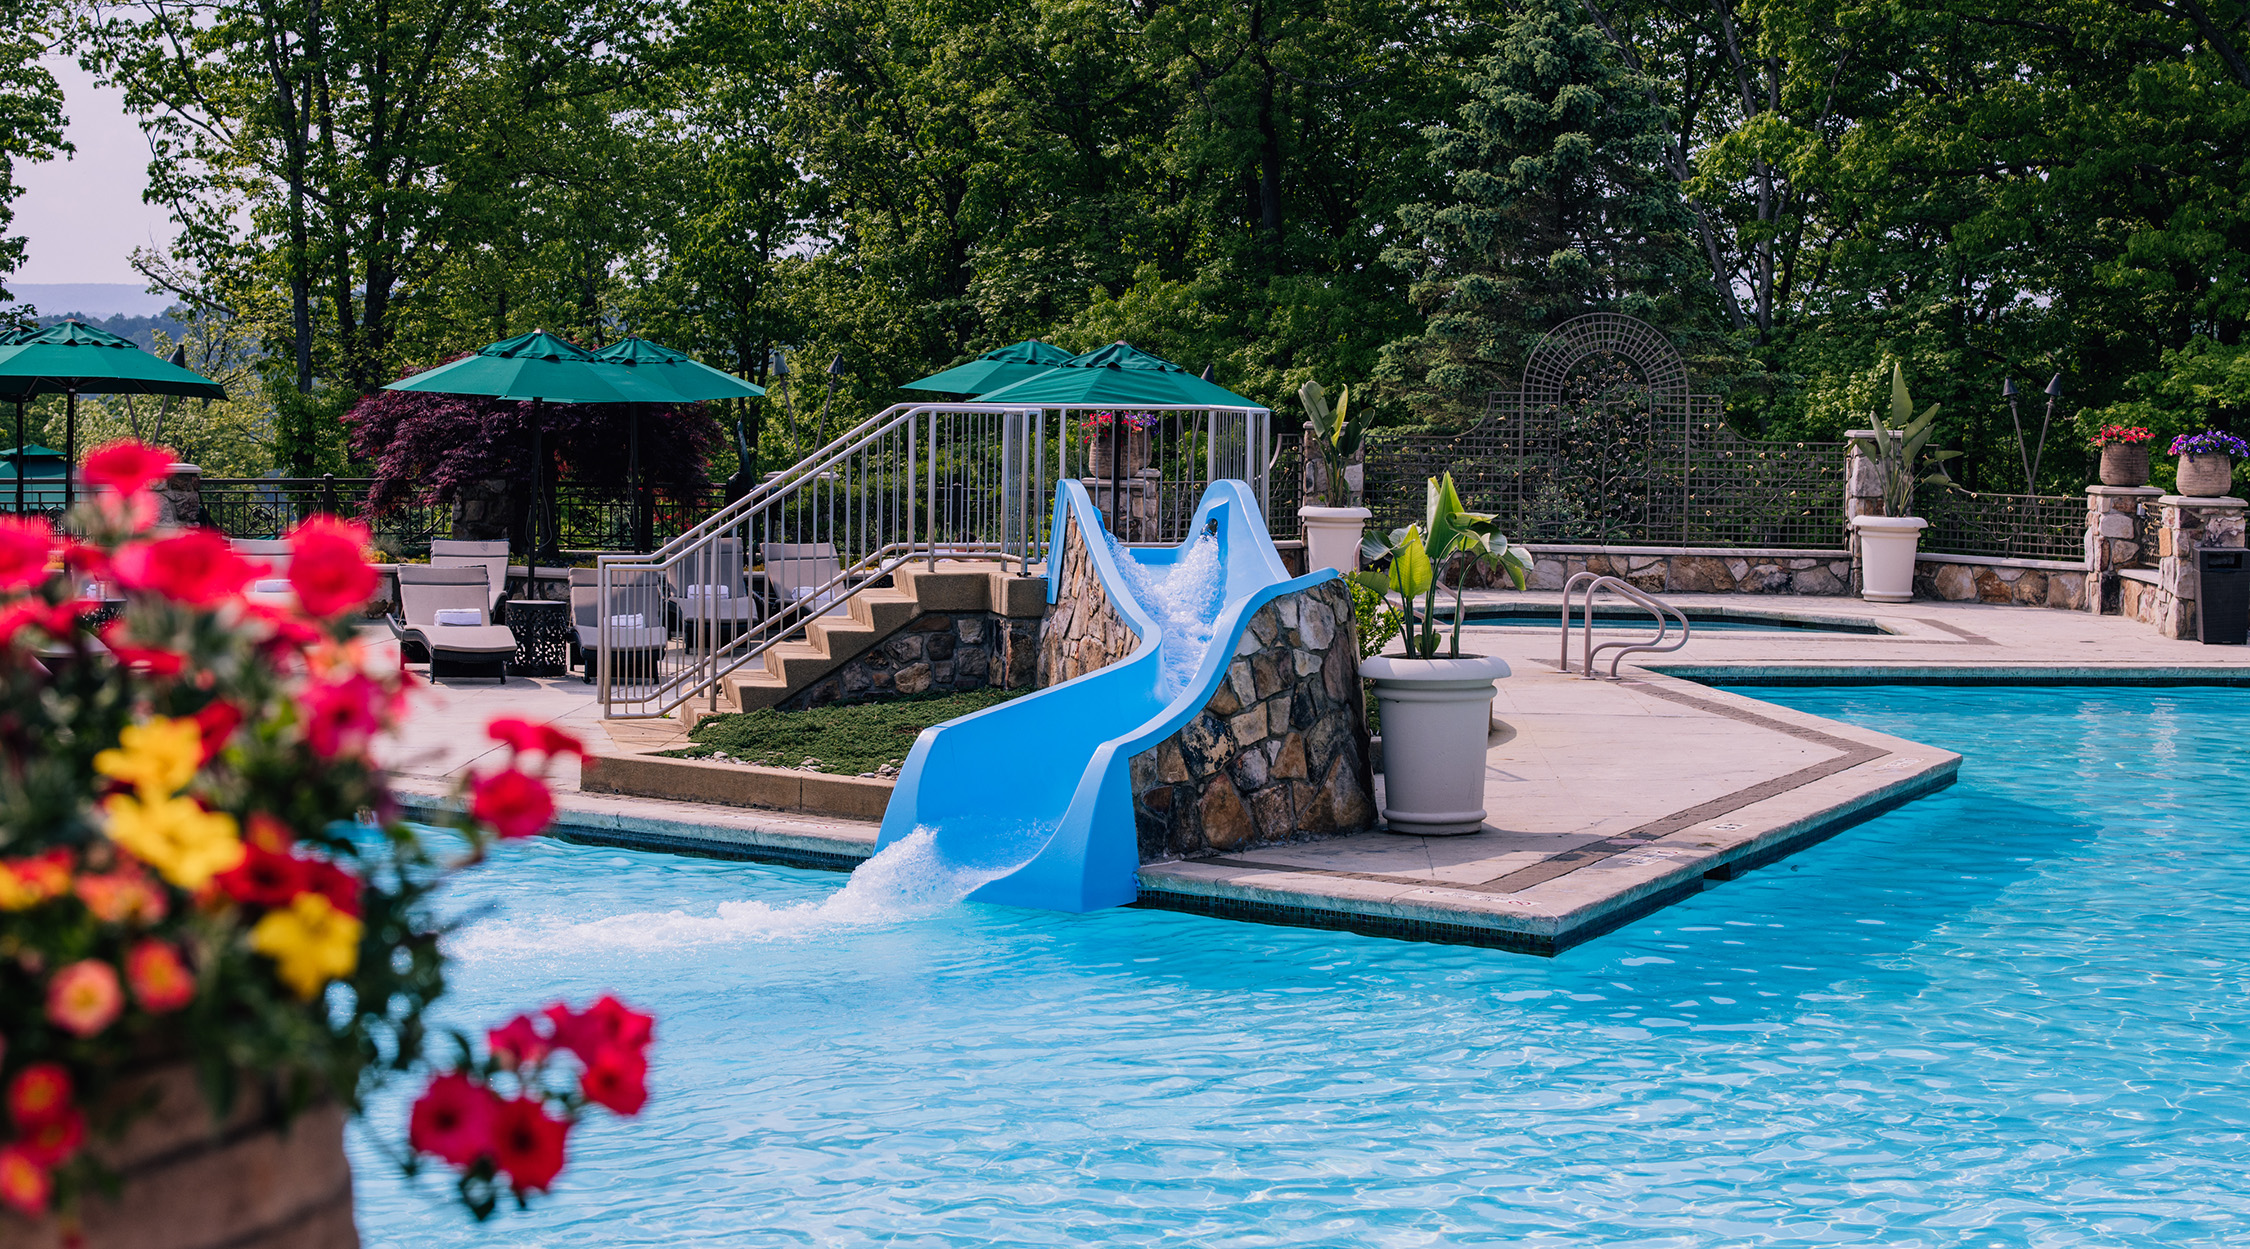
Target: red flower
{"x":51,"y":1141}
{"x":453,"y":1119}
{"x":161,"y":982}
{"x":529,"y":738}
{"x":25,"y":547}
{"x":39,"y":1092}
{"x":84,"y":998}
{"x":218,"y":720}
{"x":196,"y":568}
{"x":527,"y":1143}
{"x":519,"y":1042}
{"x":340,"y":887}
{"x":340,"y":716}
{"x":123,"y":895}
{"x":25,"y":1186}
{"x":264,"y":877}
{"x":326,"y":567}
{"x":514,"y":803}
{"x":268,"y":833}
{"x":128,"y":466}
{"x":287,"y":629}
{"x":153,"y":660}
{"x":57,"y":622}
{"x":608,"y":1026}
{"x":617,"y":1080}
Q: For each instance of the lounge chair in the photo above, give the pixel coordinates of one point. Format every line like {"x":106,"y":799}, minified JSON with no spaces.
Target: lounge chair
{"x":473,"y":648}
{"x":490,"y":556}
{"x":797,"y":572}
{"x":716,"y":575}
{"x":637,"y":636}
{"x":272,"y":586}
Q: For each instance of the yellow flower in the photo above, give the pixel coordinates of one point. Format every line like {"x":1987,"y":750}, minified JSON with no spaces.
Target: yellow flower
{"x":158,"y":758}
{"x":178,"y":838}
{"x":312,"y":941}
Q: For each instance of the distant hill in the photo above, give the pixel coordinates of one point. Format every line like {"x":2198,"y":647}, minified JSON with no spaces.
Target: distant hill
{"x":91,"y":301}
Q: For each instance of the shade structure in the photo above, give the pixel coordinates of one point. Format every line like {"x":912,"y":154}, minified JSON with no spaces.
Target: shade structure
{"x":1118,"y":374}
{"x":1005,"y":366}
{"x":72,"y":359}
{"x":537,"y":366}
{"x":686,"y":379}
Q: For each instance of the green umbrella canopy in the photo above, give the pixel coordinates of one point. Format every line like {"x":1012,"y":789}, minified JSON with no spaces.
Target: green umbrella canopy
{"x":688,"y":380}
{"x":1001,"y":367}
{"x":1118,"y":374}
{"x":538,"y":366}
{"x":38,"y":463}
{"x":75,"y":357}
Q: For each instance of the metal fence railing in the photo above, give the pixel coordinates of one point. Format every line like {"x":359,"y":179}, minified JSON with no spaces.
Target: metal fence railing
{"x":2003,"y":526}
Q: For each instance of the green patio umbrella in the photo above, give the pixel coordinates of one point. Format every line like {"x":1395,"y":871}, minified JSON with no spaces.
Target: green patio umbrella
{"x":44,"y":467}
{"x":1001,"y":367}
{"x":1118,"y":374}
{"x":73,"y":358}
{"x":540,"y":369}
{"x":687,"y":379}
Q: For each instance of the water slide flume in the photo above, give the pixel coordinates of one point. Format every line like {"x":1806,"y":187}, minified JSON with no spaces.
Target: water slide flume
{"x":1039,"y":789}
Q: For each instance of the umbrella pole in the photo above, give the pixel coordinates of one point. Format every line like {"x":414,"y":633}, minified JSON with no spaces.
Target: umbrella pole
{"x":19,"y":457}
{"x":633,"y":475}
{"x":531,"y":519}
{"x":70,"y":448}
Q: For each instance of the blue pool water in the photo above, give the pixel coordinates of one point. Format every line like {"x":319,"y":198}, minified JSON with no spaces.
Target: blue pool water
{"x":2015,"y":1013}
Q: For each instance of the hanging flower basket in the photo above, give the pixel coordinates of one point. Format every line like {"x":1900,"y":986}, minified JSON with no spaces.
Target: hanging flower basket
{"x":1102,"y":429}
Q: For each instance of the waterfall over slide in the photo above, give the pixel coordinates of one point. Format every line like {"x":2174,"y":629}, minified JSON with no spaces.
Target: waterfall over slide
{"x":1037,"y":791}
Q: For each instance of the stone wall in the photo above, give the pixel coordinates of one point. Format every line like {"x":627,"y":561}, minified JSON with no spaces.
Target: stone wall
{"x":1995,"y":582}
{"x":1083,"y":631}
{"x":1689,"y":571}
{"x":938,"y":652}
{"x":179,"y":496}
{"x":2188,"y":525}
{"x":1279,"y":753}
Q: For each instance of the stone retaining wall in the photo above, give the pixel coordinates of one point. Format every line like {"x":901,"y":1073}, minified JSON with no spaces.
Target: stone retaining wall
{"x":1083,"y":631}
{"x":1954,"y":582}
{"x":1697,"y":572}
{"x":938,"y":652}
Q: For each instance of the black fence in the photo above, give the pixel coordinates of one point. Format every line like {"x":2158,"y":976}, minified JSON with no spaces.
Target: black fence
{"x":2005,"y":526}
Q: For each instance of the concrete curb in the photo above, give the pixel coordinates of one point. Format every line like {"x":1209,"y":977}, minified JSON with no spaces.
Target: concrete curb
{"x":735,"y":785}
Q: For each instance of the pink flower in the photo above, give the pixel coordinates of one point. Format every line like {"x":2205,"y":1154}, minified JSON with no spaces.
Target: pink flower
{"x":617,"y":1080}
{"x":196,"y":568}
{"x":514,"y":803}
{"x":340,"y":716}
{"x":84,"y":998}
{"x":525,"y":737}
{"x":527,"y":1143}
{"x":326,"y":567}
{"x":453,"y":1119}
{"x":25,"y":1186}
{"x":128,"y":467}
{"x":25,"y":548}
{"x":519,"y":1042}
{"x":161,"y":982}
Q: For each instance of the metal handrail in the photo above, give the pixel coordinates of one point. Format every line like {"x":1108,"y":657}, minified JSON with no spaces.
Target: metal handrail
{"x":1596,"y":583}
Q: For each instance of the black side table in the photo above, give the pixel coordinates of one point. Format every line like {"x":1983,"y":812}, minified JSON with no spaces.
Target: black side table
{"x":543,"y":636}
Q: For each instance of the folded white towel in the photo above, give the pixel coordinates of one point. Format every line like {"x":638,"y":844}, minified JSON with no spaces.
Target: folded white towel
{"x":626,"y":622}
{"x":271,"y":585}
{"x":715,"y":591}
{"x":458,"y":616}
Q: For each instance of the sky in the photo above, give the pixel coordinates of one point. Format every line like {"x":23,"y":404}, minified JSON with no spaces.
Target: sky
{"x":84,"y":216}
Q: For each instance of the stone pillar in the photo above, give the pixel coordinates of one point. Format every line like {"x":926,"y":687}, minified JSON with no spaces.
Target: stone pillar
{"x":1141,"y":491}
{"x":1863,"y":494}
{"x":179,"y":497}
{"x":2189,"y":525}
{"x":2114,"y":540}
{"x":483,"y":511}
{"x":1313,"y":486}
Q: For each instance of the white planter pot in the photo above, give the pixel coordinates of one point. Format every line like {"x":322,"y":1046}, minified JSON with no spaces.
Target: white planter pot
{"x":1886,"y":556}
{"x":1332,"y":537}
{"x":1437,"y":715}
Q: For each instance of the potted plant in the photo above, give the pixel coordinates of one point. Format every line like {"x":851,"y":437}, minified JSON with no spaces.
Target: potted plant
{"x":1887,"y":543}
{"x":212,"y":912}
{"x":1332,"y":531}
{"x":1436,"y":709}
{"x":1106,"y":428}
{"x":2124,"y":451}
{"x":2207,"y":463}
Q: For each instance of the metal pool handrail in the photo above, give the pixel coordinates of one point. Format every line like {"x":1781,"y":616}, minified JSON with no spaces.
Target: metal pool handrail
{"x":1596,"y":583}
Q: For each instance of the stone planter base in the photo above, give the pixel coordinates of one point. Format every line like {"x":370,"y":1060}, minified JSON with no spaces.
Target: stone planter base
{"x":2206,"y":476}
{"x":2125,"y":464}
{"x":190,"y":1183}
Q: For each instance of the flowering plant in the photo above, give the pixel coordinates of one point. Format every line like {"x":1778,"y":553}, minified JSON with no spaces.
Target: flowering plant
{"x":1095,"y":423}
{"x":201,"y":861}
{"x":2209,"y":442}
{"x":2121,"y":435}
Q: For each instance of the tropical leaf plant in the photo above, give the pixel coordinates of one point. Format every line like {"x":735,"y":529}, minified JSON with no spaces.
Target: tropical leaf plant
{"x":1897,"y":444}
{"x":1419,"y":553}
{"x":1338,"y":432}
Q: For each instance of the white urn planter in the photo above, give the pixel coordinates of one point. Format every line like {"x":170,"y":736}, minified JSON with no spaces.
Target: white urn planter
{"x":1437,"y":716}
{"x":1886,"y":556}
{"x":1332,"y":536}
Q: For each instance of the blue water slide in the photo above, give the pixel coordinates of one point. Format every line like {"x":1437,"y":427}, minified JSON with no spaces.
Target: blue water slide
{"x":1040,"y":786}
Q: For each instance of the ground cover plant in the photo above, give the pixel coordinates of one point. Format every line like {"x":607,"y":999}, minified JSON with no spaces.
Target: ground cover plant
{"x":847,"y":740}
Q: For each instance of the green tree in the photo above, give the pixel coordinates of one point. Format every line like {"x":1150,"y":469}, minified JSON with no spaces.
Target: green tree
{"x":31,"y":117}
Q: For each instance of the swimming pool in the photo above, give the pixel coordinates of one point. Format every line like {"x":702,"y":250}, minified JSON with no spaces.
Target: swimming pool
{"x":2009,"y":1014}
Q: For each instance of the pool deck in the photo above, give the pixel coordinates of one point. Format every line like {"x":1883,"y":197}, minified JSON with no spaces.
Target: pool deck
{"x":1606,"y":800}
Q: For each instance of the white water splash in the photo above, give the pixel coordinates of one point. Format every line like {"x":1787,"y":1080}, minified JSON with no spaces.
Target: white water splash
{"x":908,"y":880}
{"x":1185,"y":597}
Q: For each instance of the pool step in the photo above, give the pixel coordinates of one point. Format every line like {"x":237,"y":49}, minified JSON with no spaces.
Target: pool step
{"x":876,"y":616}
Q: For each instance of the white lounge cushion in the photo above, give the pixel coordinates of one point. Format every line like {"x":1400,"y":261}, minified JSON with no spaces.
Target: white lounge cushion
{"x":270,"y":585}
{"x":455,"y":617}
{"x":633,"y":621}
{"x":471,"y":640}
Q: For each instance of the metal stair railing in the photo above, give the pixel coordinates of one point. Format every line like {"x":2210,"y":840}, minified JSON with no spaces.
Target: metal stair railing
{"x":915,"y":481}
{"x":1596,"y":583}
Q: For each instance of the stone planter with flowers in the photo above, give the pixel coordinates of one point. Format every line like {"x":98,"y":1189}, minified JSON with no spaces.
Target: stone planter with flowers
{"x":1108,"y":432}
{"x":201,"y":943}
{"x":2124,"y":452}
{"x":2207,"y":463}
